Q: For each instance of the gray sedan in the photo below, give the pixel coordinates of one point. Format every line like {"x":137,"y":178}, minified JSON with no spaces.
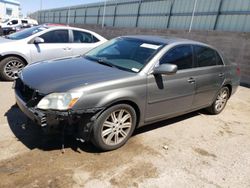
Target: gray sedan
{"x":124,"y":84}
{"x":41,"y":43}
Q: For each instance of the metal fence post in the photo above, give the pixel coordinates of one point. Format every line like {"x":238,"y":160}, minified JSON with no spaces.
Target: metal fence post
{"x":75,"y":17}
{"x":54,"y":15}
{"x":218,"y":15}
{"x":85,"y":15}
{"x":138,"y":13}
{"x":114,"y":14}
{"x":192,"y":19}
{"x":98,"y":15}
{"x":170,"y":13}
{"x":104,"y":12}
{"x":40,"y":17}
{"x":68,"y":16}
{"x":59,"y":17}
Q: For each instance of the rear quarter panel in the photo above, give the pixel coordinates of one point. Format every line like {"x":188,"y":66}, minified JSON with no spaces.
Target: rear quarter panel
{"x":232,"y":73}
{"x":232,"y":76}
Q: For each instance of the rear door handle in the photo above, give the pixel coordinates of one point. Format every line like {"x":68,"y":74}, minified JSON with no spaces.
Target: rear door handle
{"x":191,"y":80}
{"x":67,"y":48}
{"x":221,"y":74}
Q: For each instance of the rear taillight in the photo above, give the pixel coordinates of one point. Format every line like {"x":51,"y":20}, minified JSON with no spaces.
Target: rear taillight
{"x":238,"y":71}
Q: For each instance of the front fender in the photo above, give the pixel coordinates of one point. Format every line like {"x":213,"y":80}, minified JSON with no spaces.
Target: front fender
{"x":117,"y":96}
{"x":16,"y":54}
{"x":128,"y":97}
{"x":135,"y":95}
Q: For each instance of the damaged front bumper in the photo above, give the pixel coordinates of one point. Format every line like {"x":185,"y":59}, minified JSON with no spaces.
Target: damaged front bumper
{"x":76,"y":122}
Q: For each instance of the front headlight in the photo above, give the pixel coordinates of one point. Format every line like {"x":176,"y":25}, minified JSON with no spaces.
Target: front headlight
{"x":59,"y":101}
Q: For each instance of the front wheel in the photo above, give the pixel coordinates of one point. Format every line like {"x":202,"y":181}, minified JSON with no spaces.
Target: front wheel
{"x":11,"y":32}
{"x":220,"y":101}
{"x":10,"y":67}
{"x":114,"y":127}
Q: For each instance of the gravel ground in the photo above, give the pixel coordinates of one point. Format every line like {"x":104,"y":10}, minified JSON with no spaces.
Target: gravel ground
{"x":194,"y":150}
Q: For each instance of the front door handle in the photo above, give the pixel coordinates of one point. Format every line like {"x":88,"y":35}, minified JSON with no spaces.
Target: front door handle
{"x":191,"y":80}
{"x":221,"y":74}
{"x":67,"y":48}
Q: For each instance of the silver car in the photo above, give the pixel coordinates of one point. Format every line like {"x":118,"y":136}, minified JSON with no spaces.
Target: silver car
{"x":124,"y":84}
{"x":41,"y":43}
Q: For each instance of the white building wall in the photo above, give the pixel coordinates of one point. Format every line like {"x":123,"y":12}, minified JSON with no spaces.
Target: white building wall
{"x":9,"y":9}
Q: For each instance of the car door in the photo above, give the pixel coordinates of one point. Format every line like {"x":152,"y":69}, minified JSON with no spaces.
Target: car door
{"x":56,"y":45}
{"x":13,"y":23}
{"x":171,"y":94}
{"x":82,"y":42}
{"x":209,"y":75}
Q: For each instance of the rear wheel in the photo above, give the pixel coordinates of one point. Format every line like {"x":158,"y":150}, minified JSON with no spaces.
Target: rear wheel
{"x":114,"y":127}
{"x":10,"y":67}
{"x":220,"y":101}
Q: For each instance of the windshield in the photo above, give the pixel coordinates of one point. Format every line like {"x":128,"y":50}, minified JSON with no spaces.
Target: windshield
{"x":5,"y":20}
{"x":125,"y":53}
{"x":26,"y":33}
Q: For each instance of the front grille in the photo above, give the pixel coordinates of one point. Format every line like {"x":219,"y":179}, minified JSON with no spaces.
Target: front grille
{"x":30,"y":96}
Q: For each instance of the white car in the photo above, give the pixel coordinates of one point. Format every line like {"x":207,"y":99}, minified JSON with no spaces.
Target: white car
{"x":43,"y":42}
{"x":17,"y":22}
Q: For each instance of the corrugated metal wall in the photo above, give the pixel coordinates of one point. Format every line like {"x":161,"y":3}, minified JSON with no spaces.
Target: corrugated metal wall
{"x":225,"y":15}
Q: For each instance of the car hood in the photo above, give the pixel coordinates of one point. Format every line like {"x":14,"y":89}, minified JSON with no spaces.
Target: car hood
{"x":5,"y":40}
{"x":66,"y":74}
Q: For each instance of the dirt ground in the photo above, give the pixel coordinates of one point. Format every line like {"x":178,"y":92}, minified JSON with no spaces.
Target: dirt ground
{"x":194,"y":150}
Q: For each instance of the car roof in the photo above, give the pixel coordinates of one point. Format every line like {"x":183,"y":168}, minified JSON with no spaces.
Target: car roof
{"x":165,"y":40}
{"x":62,"y":26}
{"x":49,"y":25}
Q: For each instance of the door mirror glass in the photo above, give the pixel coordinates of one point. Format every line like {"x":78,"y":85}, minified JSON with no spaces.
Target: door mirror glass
{"x":165,"y":69}
{"x":38,"y":40}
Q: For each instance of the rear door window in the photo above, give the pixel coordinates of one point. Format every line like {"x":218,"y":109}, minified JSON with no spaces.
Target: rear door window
{"x":205,"y":56}
{"x":24,"y":22}
{"x":218,"y":59}
{"x":83,"y":37}
{"x":182,"y":56}
{"x":56,"y":36}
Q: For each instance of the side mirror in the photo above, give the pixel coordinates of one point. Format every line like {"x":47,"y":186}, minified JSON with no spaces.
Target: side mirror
{"x":165,"y":69}
{"x":38,"y":40}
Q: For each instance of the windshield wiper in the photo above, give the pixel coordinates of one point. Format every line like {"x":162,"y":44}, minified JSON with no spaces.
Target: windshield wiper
{"x":104,"y":62}
{"x":100,"y":61}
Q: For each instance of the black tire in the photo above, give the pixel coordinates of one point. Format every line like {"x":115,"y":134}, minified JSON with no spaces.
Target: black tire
{"x":98,"y":127}
{"x":11,"y":32}
{"x":213,"y":109}
{"x":4,"y":62}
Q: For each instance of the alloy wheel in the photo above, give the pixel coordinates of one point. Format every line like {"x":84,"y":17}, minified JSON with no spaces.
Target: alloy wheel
{"x":12,"y":68}
{"x":221,"y":100}
{"x":116,"y":127}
